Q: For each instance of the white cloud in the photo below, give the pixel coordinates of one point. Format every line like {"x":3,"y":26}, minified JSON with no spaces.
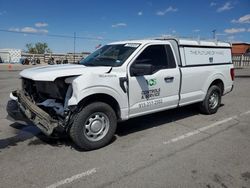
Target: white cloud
{"x":196,"y":30}
{"x":41,"y":24}
{"x":119,"y":25}
{"x":29,"y":30}
{"x":140,"y":13}
{"x":226,"y":6}
{"x":234,"y":21}
{"x":169,"y":9}
{"x":243,"y":19}
{"x":234,"y":30}
{"x":248,"y":30}
{"x":43,"y":31}
{"x":212,"y":4}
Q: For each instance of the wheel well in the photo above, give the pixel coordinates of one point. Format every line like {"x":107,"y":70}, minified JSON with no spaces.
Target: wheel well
{"x":101,"y":98}
{"x":218,"y":83}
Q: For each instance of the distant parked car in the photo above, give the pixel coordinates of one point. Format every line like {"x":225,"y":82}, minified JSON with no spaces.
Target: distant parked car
{"x":1,"y":61}
{"x":65,"y":61}
{"x":38,"y":61}
{"x":24,"y":61}
{"x":35,"y":61}
{"x":59,"y":61}
{"x":51,"y":61}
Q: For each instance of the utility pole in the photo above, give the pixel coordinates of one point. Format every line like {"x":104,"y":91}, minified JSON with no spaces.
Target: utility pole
{"x":214,"y":34}
{"x":74,"y":47}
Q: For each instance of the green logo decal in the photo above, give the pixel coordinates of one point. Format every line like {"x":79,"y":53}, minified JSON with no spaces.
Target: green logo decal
{"x":151,"y":82}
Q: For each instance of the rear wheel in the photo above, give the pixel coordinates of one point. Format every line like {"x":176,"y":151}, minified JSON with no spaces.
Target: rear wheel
{"x":212,"y":100}
{"x":94,"y":126}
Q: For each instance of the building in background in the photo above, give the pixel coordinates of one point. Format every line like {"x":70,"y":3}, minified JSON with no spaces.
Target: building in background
{"x":10,"y":55}
{"x":241,"y":48}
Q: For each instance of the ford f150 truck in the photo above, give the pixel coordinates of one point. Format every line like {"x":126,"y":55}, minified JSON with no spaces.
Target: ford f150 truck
{"x":120,"y":81}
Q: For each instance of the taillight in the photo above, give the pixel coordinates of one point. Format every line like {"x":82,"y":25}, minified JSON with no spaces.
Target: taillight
{"x":232,"y":73}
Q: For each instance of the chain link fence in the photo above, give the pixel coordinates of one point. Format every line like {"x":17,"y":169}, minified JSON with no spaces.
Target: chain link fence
{"x":57,"y":58}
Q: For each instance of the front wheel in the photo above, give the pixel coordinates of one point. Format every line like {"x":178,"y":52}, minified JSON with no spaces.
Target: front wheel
{"x":212,"y":100}
{"x":94,"y":126}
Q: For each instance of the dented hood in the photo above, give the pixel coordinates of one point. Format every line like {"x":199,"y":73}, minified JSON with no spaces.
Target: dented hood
{"x":51,"y":72}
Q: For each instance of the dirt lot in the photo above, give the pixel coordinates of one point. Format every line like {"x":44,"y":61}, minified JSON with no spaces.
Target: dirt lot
{"x":176,"y":148}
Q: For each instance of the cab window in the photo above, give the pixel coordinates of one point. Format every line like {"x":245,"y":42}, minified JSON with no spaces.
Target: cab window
{"x":159,"y":56}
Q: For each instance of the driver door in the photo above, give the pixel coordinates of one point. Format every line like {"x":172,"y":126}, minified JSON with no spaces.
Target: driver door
{"x":158,"y":90}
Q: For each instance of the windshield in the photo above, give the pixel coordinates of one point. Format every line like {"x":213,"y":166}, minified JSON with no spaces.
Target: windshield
{"x":110,"y":55}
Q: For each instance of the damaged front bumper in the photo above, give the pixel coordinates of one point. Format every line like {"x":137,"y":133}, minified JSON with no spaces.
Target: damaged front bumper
{"x":23,"y":109}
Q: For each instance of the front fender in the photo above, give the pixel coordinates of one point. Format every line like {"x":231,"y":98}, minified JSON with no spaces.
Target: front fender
{"x":78,"y":96}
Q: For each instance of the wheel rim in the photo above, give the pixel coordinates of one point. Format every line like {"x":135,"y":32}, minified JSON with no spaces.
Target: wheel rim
{"x":96,"y":126}
{"x":213,"y":100}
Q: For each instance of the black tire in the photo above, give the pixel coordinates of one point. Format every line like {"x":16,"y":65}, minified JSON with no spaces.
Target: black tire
{"x":208,"y":107}
{"x":87,"y":122}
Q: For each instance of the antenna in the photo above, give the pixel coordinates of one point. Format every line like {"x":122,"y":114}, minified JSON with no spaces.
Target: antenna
{"x":214,"y":34}
{"x":74,"y":47}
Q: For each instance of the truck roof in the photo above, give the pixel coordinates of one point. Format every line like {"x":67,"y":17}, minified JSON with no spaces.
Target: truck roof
{"x":180,"y":41}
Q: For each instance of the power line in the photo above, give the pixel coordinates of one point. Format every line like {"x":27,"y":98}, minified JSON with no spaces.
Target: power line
{"x":58,"y":35}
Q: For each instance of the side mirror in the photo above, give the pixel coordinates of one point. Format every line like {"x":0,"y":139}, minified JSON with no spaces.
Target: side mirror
{"x":141,"y":69}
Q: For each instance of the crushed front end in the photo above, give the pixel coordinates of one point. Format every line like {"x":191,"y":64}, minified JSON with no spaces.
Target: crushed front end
{"x":42,"y":102}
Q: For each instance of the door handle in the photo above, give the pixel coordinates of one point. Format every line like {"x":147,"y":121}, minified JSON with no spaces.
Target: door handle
{"x":169,"y":79}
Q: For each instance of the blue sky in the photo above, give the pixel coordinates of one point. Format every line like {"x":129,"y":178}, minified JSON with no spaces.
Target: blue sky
{"x":100,"y":22}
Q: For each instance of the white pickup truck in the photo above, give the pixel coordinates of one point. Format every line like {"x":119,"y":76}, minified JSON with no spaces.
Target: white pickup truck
{"x":120,"y":81}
